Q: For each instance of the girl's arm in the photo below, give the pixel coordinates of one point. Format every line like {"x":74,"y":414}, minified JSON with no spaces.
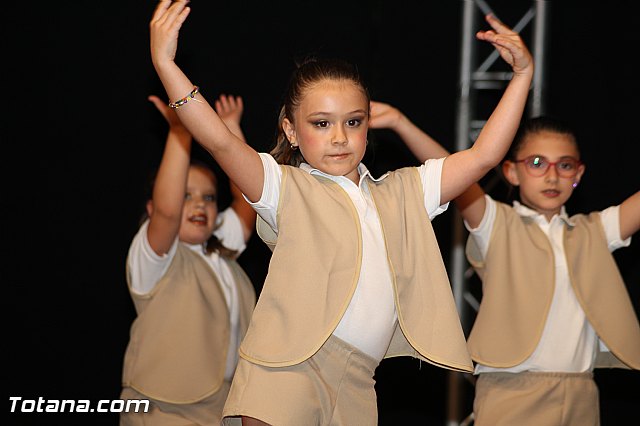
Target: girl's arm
{"x":464,"y":168}
{"x":230,"y":109}
{"x":630,"y":216}
{"x":384,"y":116}
{"x":238,"y":160}
{"x":421,"y":145}
{"x":165,"y":208}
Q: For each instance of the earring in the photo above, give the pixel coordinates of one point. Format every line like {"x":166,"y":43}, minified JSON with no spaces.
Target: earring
{"x":574,"y":184}
{"x":294,"y":147}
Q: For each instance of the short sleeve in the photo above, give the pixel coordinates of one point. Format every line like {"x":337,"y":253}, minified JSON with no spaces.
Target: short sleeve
{"x":610,"y":218}
{"x":431,"y":177}
{"x":267,"y":205}
{"x":230,"y":231}
{"x":146,"y":267}
{"x":482,"y":233}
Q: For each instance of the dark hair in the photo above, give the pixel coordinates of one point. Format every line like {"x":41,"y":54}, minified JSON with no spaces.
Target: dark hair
{"x":213,"y":243}
{"x":539,"y":124}
{"x":531,"y":126}
{"x":307,"y":74}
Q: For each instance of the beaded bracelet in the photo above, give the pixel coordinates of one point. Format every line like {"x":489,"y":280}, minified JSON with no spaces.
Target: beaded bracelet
{"x":180,"y":102}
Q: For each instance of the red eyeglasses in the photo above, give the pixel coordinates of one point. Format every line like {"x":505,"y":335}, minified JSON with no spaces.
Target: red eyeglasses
{"x":537,"y":165}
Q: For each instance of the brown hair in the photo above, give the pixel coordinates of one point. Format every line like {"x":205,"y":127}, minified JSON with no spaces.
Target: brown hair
{"x":535,"y":125}
{"x":310,"y":72}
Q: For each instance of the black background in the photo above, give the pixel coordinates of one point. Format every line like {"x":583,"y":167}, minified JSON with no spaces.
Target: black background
{"x":81,"y":139}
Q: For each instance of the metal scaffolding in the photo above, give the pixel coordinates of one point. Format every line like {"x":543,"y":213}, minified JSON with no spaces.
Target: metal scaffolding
{"x":474,"y":81}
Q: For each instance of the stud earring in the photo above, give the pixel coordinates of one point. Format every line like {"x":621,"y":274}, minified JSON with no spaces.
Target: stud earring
{"x":294,"y":147}
{"x":574,"y":184}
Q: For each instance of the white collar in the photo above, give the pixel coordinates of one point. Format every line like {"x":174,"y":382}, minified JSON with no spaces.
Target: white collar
{"x":525,"y":211}
{"x":198,"y":248}
{"x":362,"y":171}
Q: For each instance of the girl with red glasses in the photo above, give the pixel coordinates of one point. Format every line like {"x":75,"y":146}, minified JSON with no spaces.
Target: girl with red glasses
{"x":554,"y":306}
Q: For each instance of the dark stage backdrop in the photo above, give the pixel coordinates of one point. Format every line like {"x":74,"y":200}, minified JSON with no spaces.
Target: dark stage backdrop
{"x":87,"y":138}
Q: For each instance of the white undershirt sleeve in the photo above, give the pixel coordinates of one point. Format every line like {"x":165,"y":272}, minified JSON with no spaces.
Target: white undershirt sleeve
{"x":482,"y":233}
{"x":431,"y":176}
{"x":146,"y":267}
{"x":267,"y":205}
{"x":610,"y":218}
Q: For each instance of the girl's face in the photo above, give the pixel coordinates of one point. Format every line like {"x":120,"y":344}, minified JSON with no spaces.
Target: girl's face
{"x":200,"y":208}
{"x":545,"y":191}
{"x":330,"y":127}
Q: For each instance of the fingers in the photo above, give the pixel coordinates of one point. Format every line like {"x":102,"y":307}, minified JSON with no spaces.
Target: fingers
{"x":166,"y":9}
{"x":239,"y":103}
{"x":382,"y":115}
{"x":181,"y":17}
{"x":159,"y":104}
{"x":376,"y":107}
{"x":160,"y":10}
{"x":498,"y":29}
{"x":164,"y":28}
{"x":229,"y":103}
{"x":508,"y":43}
{"x":375,"y":110}
{"x":218,"y":106}
{"x":172,"y":12}
{"x":229,"y":108}
{"x":379,"y":108}
{"x":497,"y":24}
{"x":222,"y":105}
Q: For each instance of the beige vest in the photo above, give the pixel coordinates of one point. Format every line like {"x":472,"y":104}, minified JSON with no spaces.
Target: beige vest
{"x":518,"y":282}
{"x":179,"y":341}
{"x":316,"y":262}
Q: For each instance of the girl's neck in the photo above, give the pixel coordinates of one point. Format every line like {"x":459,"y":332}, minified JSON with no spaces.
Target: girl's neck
{"x":547,"y":214}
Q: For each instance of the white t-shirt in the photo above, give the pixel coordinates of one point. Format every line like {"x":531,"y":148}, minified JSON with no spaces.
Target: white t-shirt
{"x":372,"y":307}
{"x":146,"y":268}
{"x":568,"y":341}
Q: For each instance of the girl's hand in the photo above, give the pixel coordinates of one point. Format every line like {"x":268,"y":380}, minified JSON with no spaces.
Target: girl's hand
{"x":169,"y":114}
{"x":509,"y":44}
{"x":383,"y":116}
{"x":164,"y":27}
{"x":229,"y":108}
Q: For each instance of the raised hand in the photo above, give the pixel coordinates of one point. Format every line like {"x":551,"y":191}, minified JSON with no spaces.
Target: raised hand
{"x":229,"y":108}
{"x":509,"y":44}
{"x":164,"y":27}
{"x":169,"y":114}
{"x":383,"y":116}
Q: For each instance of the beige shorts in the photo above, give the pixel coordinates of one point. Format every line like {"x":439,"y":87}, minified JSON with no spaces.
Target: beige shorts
{"x":333,"y":387}
{"x":207,"y":412}
{"x":529,"y":398}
